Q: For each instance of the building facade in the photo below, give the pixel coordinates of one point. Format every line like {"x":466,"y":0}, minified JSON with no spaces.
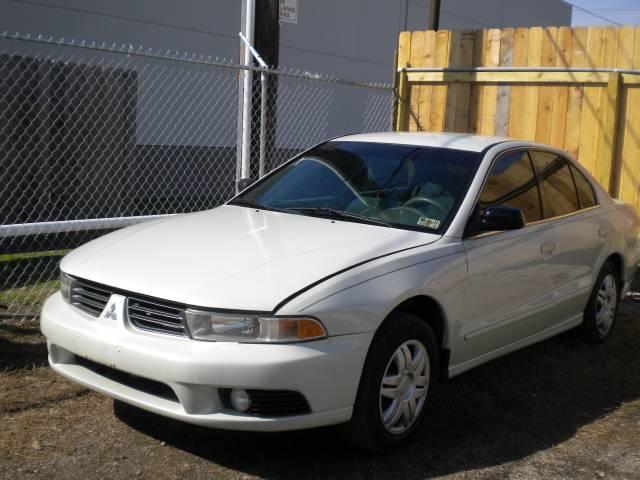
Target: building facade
{"x":352,"y":39}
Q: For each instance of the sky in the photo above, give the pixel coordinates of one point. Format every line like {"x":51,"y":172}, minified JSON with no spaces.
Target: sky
{"x":605,"y":12}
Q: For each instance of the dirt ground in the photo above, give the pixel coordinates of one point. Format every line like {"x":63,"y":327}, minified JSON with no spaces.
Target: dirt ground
{"x":558,"y":409}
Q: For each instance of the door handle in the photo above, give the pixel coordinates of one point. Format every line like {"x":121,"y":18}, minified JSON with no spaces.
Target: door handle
{"x":603,"y":232}
{"x":547,"y":247}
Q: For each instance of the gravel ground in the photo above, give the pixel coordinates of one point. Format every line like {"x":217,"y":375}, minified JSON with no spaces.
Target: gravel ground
{"x":558,"y":409}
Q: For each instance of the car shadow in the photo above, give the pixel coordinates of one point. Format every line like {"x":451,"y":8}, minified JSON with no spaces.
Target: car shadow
{"x":500,"y":412}
{"x":21,"y":346}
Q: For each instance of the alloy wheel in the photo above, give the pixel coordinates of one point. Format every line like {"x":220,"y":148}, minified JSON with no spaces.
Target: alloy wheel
{"x":606,"y":304}
{"x":404,"y":386}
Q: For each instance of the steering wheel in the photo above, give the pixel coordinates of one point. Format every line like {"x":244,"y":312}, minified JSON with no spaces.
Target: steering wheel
{"x":430,"y":201}
{"x":401,"y":211}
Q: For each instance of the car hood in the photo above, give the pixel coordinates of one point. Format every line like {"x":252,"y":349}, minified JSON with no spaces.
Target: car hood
{"x":233,"y":257}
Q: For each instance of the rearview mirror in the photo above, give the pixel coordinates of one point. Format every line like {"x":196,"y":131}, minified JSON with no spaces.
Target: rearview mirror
{"x":499,"y":217}
{"x":245,"y":183}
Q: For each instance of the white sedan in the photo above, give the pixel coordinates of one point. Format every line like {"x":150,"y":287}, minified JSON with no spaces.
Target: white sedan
{"x":339,"y":288}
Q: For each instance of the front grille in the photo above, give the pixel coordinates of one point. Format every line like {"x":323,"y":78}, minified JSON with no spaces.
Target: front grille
{"x":151,"y":315}
{"x":88,"y":297}
{"x":152,"y":387}
{"x":271,"y":403}
{"x":155,"y":316}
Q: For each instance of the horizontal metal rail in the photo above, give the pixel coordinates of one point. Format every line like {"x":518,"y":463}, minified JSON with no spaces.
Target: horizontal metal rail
{"x":63,"y":226}
{"x":520,"y":69}
{"x":516,"y":75}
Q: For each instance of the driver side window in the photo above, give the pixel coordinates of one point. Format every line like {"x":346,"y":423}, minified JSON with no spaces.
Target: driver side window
{"x":512,"y":183}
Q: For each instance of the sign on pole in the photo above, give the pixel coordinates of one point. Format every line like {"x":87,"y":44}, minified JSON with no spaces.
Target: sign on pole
{"x":289,"y":11}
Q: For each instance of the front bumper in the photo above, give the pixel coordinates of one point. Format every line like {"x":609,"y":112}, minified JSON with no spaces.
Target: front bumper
{"x":326,"y":372}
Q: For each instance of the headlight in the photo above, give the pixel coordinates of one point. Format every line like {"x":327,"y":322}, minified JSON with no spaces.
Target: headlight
{"x":224,"y":327}
{"x":65,"y":286}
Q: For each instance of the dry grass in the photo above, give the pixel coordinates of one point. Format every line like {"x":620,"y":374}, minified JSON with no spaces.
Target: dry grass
{"x":558,"y":409}
{"x":29,"y":298}
{"x":26,"y":280}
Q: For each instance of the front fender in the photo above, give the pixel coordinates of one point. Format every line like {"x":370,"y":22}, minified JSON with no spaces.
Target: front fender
{"x":358,"y":301}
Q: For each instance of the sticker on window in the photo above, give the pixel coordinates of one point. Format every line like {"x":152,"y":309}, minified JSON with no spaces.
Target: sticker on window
{"x":429,"y":222}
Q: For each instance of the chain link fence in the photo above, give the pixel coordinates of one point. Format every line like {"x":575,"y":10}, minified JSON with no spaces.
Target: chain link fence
{"x":95,"y":137}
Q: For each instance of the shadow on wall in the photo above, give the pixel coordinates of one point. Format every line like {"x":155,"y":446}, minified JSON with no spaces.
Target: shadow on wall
{"x":498,"y":413}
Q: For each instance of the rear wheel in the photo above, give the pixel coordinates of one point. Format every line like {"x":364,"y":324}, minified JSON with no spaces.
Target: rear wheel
{"x":399,"y":372}
{"x":600,"y":314}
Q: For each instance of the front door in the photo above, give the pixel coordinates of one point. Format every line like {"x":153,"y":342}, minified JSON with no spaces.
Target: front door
{"x":507,"y":292}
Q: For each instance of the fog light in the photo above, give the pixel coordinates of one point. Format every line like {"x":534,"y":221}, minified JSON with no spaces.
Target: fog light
{"x":240,"y":400}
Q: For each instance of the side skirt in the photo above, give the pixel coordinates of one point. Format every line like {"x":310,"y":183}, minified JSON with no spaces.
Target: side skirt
{"x":538,"y":337}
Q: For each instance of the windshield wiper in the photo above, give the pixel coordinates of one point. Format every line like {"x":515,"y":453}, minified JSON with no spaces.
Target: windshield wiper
{"x":322,"y":211}
{"x":247,"y":202}
{"x":332,"y":212}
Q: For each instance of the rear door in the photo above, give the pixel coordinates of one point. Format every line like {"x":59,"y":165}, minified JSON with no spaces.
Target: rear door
{"x":507,"y":294}
{"x":580,"y":234}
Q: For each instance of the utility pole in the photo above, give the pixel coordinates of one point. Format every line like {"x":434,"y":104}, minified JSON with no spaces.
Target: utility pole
{"x":267,"y":43}
{"x":267,"y":31}
{"x":434,"y":18}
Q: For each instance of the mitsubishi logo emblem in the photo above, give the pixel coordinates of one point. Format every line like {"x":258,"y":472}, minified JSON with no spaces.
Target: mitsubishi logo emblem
{"x":110,"y":312}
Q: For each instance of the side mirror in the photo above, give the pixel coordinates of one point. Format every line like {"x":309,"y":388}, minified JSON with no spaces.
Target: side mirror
{"x":245,"y":183}
{"x":499,"y":217}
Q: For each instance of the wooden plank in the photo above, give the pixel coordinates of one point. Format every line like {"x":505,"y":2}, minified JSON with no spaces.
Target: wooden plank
{"x":464,"y":91}
{"x":607,"y":99}
{"x":630,"y":122}
{"x":591,"y":102}
{"x":520,"y":47}
{"x":530,"y":106}
{"x":455,"y":51}
{"x":404,"y":52}
{"x":415,"y":60}
{"x":490,"y":92}
{"x":546,"y":94}
{"x":404,"y":103}
{"x":561,"y":94}
{"x":476,"y":94}
{"x":427,"y":59}
{"x":396,"y":86}
{"x":624,"y":60}
{"x":504,"y":91}
{"x":439,"y":92}
{"x":605,"y":151}
{"x":600,"y":78}
{"x":630,"y":79}
{"x":576,"y":92}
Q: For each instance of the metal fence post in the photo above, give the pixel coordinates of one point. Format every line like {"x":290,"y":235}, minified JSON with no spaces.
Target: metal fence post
{"x":263,"y":120}
{"x":263,"y":102}
{"x":247,"y":89}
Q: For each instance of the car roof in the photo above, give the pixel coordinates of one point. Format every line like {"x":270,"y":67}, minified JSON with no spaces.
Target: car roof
{"x":457,"y":141}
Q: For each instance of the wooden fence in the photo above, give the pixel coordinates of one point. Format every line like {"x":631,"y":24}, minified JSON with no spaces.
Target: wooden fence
{"x":593,"y":114}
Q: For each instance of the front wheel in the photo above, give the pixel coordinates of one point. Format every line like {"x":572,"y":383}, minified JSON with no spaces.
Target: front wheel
{"x":600,"y":314}
{"x":399,"y":372}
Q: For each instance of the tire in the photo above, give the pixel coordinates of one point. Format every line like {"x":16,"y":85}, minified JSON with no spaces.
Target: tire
{"x":602,"y":308}
{"x":401,"y":337}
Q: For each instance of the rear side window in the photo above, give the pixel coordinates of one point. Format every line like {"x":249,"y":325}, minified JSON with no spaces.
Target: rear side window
{"x":559,"y":195}
{"x":585,"y":191}
{"x":513,"y":183}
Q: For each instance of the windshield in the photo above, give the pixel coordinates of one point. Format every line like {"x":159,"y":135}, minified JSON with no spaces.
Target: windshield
{"x":395,"y":185}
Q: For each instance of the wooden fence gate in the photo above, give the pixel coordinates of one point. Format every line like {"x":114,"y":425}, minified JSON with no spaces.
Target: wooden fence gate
{"x":591,"y":113}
